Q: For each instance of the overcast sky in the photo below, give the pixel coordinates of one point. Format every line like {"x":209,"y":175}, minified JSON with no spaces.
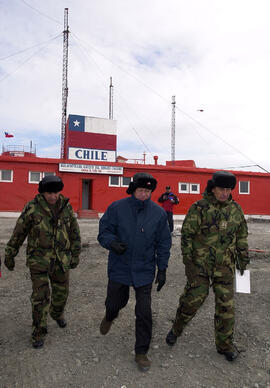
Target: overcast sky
{"x":213,"y":55}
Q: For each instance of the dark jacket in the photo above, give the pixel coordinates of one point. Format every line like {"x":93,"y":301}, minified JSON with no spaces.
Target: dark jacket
{"x":143,"y":226}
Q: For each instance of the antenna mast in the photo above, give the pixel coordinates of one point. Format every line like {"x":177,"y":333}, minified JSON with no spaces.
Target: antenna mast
{"x":173,"y":130}
{"x":64,"y":83}
{"x":111,"y":100}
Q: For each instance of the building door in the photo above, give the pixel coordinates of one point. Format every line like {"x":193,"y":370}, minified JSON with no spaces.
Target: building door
{"x":86,"y":191}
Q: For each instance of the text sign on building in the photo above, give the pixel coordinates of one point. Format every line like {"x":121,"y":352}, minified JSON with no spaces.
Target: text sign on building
{"x":68,"y":167}
{"x":91,"y":154}
{"x":90,"y":138}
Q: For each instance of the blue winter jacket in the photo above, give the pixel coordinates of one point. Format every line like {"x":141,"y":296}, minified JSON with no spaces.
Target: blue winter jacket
{"x":144,"y":227}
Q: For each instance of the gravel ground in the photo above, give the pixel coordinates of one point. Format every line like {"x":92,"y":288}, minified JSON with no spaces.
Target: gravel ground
{"x":78,"y":356}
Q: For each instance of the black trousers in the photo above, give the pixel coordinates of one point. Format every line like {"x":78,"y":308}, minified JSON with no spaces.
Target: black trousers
{"x":117,"y":298}
{"x":170,"y":220}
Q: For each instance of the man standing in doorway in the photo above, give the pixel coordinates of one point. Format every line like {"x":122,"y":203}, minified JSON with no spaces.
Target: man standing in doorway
{"x":214,"y":240}
{"x":168,"y":200}
{"x":136,"y":233}
{"x":53,"y":248}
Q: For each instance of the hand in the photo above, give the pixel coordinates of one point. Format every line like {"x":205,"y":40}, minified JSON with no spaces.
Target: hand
{"x":74,"y":262}
{"x":9,"y":263}
{"x":118,"y":247}
{"x":191,"y":272}
{"x":160,"y":279}
{"x":241,"y":268}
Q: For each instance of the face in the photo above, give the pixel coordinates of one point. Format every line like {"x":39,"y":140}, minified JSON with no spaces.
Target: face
{"x":51,"y":198}
{"x":221,"y":193}
{"x":142,"y":194}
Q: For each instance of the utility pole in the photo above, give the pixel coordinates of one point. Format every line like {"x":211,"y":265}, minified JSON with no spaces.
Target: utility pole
{"x":111,"y":100}
{"x":64,"y":83}
{"x":173,"y":130}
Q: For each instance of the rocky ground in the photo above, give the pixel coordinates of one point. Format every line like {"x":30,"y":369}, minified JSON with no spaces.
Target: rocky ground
{"x":79,"y":357}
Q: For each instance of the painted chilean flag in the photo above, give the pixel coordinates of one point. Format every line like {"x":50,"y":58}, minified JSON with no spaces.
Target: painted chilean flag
{"x":93,"y":134}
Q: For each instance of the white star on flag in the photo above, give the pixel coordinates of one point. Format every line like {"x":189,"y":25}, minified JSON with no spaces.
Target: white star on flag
{"x":76,"y":123}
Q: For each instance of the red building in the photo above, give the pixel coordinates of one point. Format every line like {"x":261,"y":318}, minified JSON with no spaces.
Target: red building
{"x":93,"y":185}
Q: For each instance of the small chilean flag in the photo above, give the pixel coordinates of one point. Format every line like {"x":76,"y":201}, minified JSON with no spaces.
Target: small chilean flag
{"x":8,"y":134}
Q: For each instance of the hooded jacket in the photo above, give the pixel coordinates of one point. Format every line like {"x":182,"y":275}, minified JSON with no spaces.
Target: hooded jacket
{"x":51,"y":234}
{"x":143,"y":226}
{"x":214,"y":233}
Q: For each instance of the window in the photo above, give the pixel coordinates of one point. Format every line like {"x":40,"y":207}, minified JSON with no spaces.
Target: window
{"x":6,"y":176}
{"x":34,"y":176}
{"x":194,"y":188}
{"x":114,"y":180}
{"x":244,"y":187}
{"x":46,"y":173}
{"x":117,"y":181}
{"x":189,"y":188}
{"x":125,"y":181}
{"x":183,"y":187}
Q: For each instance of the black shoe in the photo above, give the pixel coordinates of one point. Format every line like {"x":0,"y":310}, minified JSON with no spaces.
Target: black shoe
{"x":171,"y":338}
{"x":38,"y":344}
{"x":105,"y":326}
{"x":61,"y":322}
{"x":229,"y":355}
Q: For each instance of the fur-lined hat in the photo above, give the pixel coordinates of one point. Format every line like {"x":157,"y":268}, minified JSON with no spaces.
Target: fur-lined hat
{"x":144,"y":180}
{"x":50,"y":184}
{"x":221,"y":179}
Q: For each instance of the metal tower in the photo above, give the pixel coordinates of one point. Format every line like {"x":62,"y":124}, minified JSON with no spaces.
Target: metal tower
{"x":111,"y":100}
{"x":173,"y":130}
{"x":64,"y":83}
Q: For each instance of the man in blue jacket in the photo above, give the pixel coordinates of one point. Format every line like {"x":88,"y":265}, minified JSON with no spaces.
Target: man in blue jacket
{"x":136,"y":233}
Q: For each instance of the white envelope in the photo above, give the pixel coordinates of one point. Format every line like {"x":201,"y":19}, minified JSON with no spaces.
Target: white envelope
{"x":242,"y":283}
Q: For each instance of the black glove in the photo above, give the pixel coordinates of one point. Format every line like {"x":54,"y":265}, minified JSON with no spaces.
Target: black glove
{"x":161,"y":278}
{"x":118,"y":247}
{"x":74,"y":262}
{"x":9,"y":263}
{"x":241,"y":267}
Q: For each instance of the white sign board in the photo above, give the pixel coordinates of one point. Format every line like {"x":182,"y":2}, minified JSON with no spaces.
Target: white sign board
{"x":91,"y":154}
{"x":89,"y":169}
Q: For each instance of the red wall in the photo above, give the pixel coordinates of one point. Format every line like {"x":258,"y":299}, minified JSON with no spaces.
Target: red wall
{"x":13,"y":196}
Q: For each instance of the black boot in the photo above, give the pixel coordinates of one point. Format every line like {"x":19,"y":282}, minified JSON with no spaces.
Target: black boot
{"x":61,"y":322}
{"x":229,"y":355}
{"x":38,"y":344}
{"x":171,"y":338}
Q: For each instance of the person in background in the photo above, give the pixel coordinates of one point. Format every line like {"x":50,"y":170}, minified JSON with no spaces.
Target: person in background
{"x":136,"y":233}
{"x":168,"y":200}
{"x":214,"y":240}
{"x":53,"y":248}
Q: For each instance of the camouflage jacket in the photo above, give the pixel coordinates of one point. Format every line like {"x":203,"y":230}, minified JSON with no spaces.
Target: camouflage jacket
{"x":49,"y":235}
{"x":214,"y":233}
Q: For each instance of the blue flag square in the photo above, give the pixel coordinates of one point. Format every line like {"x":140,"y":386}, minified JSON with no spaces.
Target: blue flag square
{"x":76,"y":123}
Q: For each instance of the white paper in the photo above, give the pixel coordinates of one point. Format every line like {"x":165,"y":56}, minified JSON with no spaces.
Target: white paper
{"x":242,"y":282}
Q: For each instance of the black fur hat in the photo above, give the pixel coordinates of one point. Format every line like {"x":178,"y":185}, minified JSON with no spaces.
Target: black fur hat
{"x":221,"y":179}
{"x":144,"y":180}
{"x":50,"y":184}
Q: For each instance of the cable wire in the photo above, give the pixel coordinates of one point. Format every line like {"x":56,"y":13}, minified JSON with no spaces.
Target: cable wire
{"x":41,"y":13}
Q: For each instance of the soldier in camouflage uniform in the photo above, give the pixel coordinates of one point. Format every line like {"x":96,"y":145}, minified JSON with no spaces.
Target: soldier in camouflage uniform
{"x":53,"y":248}
{"x":214,"y":240}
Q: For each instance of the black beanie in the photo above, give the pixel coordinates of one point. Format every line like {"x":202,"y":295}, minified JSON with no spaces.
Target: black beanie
{"x":144,"y":180}
{"x":223,"y":179}
{"x":50,"y":184}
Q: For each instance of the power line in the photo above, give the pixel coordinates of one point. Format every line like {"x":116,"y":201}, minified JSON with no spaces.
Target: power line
{"x":24,"y":62}
{"x":29,"y":48}
{"x":41,"y":13}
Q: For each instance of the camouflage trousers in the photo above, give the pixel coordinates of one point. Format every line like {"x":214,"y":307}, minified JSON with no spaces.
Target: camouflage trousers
{"x":195,"y":294}
{"x":44,"y":299}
